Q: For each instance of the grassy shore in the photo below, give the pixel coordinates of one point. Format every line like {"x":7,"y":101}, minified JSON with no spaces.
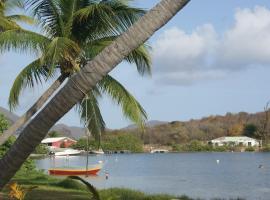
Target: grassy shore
{"x":50,"y":188}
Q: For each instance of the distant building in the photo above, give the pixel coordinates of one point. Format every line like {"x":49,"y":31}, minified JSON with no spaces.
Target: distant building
{"x":59,"y":142}
{"x":235,"y":141}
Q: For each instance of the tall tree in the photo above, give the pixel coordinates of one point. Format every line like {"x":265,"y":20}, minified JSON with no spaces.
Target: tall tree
{"x":262,"y":131}
{"x":86,"y":79}
{"x":76,"y":31}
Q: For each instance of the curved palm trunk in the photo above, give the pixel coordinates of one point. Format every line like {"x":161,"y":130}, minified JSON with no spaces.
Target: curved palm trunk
{"x":38,"y":104}
{"x":81,"y":83}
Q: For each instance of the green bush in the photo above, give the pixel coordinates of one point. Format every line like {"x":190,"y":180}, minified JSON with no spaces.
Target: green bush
{"x":249,"y":149}
{"x":266,"y":148}
{"x":113,"y":143}
{"x":41,"y":149}
{"x":123,"y":142}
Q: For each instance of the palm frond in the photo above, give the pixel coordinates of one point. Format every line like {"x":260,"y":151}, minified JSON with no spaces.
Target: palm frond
{"x":31,"y":74}
{"x":21,"y":18}
{"x":23,"y":41}
{"x":131,"y":108}
{"x":90,"y":115}
{"x":6,"y":24}
{"x":48,"y":14}
{"x":104,"y":18}
{"x":60,"y":50}
{"x":91,"y":188}
{"x":140,"y":56}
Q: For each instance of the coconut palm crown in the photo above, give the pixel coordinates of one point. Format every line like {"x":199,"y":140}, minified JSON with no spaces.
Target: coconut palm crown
{"x":74,"y":32}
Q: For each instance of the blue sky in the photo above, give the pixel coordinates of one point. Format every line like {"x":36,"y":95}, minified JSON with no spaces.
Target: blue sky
{"x":212,"y":58}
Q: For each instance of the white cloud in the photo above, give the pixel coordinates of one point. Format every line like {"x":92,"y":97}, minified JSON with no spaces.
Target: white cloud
{"x":183,"y":58}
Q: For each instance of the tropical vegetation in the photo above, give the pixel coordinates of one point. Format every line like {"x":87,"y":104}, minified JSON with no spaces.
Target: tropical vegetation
{"x":73,"y":33}
{"x":113,"y":142}
{"x":86,"y":79}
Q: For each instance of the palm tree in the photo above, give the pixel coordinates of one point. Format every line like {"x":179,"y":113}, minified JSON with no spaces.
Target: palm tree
{"x":86,"y":79}
{"x":76,"y":31}
{"x":9,"y":21}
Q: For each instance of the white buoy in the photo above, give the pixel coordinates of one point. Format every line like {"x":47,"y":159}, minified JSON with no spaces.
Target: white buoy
{"x":100,"y":162}
{"x":217,"y":161}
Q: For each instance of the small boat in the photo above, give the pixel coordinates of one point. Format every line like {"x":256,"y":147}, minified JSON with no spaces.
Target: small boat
{"x":159,"y":151}
{"x":100,"y":151}
{"x":68,"y":152}
{"x":69,"y":171}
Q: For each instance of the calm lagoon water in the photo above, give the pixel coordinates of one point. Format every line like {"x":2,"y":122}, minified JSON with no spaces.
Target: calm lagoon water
{"x":192,"y":174}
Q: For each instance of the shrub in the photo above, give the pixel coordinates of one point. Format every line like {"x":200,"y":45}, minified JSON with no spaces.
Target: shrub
{"x":41,"y":149}
{"x":249,"y":149}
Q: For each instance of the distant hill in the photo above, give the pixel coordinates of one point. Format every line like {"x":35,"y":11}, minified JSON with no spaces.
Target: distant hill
{"x":69,"y":131}
{"x":11,"y":117}
{"x":167,"y":133}
{"x":149,"y":124}
{"x":203,"y":129}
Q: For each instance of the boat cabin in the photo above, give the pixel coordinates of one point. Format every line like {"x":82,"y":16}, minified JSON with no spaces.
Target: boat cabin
{"x":59,"y":142}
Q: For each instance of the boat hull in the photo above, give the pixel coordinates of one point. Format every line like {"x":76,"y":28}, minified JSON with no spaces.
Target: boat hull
{"x":69,"y":172}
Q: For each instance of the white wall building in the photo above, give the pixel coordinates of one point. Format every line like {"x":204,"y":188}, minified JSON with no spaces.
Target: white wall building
{"x":236,"y":141}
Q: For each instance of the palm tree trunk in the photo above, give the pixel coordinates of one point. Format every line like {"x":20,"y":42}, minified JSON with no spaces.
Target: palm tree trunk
{"x":81,"y":83}
{"x":38,"y":104}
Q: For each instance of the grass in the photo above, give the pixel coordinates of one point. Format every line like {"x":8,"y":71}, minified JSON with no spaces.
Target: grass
{"x":50,"y":188}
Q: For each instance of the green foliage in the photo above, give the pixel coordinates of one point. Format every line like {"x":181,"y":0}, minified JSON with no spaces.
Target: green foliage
{"x":69,"y":183}
{"x":73,"y":33}
{"x":113,"y":142}
{"x":198,"y":146}
{"x":250,"y":149}
{"x":41,"y":149}
{"x":127,"y":194}
{"x":250,"y":130}
{"x":4,"y":126}
{"x":266,"y":148}
{"x":3,"y":123}
{"x":91,"y":188}
{"x":4,"y":148}
{"x":82,"y":144}
{"x":123,"y":142}
{"x":29,"y":164}
{"x":54,"y":134}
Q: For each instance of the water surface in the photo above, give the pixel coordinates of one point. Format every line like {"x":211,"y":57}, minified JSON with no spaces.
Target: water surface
{"x":193,"y":174}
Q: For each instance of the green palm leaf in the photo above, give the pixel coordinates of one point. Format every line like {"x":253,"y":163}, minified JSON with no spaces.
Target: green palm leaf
{"x":91,"y":115}
{"x":22,"y":41}
{"x":104,"y":19}
{"x":21,"y":18}
{"x":49,"y":15}
{"x":139,"y":56}
{"x":90,"y":187}
{"x":31,"y":74}
{"x":61,"y":50}
{"x":6,"y":24}
{"x":131,"y":108}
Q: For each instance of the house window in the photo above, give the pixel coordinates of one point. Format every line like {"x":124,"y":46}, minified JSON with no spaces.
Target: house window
{"x":249,"y":144}
{"x":240,"y":143}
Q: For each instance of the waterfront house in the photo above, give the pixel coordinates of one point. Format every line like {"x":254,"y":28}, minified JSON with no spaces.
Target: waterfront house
{"x":58,"y":142}
{"x":235,"y":141}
